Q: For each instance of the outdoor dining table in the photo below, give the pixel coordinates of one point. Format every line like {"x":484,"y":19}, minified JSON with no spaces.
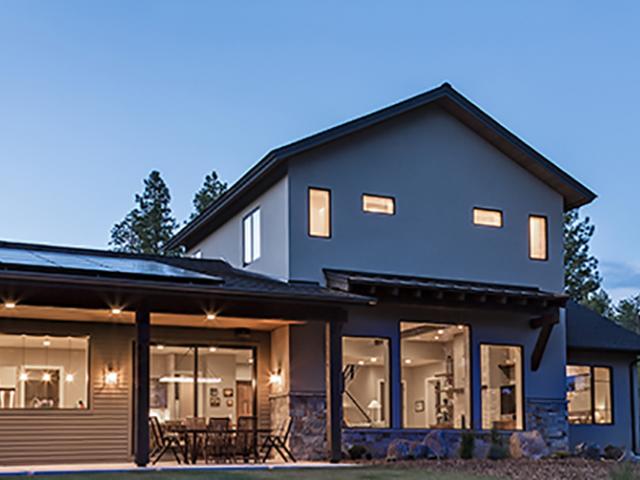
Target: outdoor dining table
{"x":193,"y":436}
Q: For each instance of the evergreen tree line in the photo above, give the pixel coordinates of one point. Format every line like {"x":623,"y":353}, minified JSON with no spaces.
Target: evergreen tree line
{"x":150,"y":224}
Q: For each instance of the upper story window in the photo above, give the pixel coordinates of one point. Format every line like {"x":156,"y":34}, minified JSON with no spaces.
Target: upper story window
{"x":251,"y":237}
{"x":43,"y":372}
{"x":538,"y":244}
{"x":589,"y":395}
{"x":378,"y":204}
{"x":487,"y":217}
{"x":319,"y":212}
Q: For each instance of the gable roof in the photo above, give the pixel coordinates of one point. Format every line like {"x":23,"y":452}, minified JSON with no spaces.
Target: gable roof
{"x":273,"y":165}
{"x":587,"y":329}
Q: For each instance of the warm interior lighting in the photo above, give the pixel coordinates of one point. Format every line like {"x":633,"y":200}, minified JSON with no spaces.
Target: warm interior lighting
{"x":168,"y":379}
{"x":160,"y":347}
{"x":69,"y":378}
{"x":212,"y":349}
{"x":111,"y":377}
{"x":440,"y":332}
{"x":9,"y":305}
{"x":319,"y":213}
{"x":360,"y":362}
{"x":211,"y":316}
{"x":275,"y":379}
{"x":46,"y":377}
{"x":407,"y":361}
{"x":373,"y":359}
{"x":116,"y":311}
{"x":460,"y":327}
{"x":251,"y":361}
{"x":487,"y":218}
{"x":537,"y":237}
{"x":378,"y":204}
{"x":46,"y":342}
{"x":24,"y":377}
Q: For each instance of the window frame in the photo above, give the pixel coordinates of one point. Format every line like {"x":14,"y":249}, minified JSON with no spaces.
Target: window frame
{"x":593,"y":422}
{"x":330,"y":213}
{"x":546,"y":237}
{"x":390,"y":375}
{"x":486,"y":209}
{"x":520,"y":347}
{"x":470,"y":371}
{"x":249,"y":216}
{"x":374,"y":195}
{"x":89,"y":377}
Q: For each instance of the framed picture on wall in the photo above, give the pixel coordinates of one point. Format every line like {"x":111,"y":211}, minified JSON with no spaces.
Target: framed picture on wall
{"x":229,"y":403}
{"x":228,"y":392}
{"x":213,"y":392}
{"x":419,"y":406}
{"x":214,"y":401}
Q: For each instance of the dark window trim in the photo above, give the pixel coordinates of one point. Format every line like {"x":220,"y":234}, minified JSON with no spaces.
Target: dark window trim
{"x":520,"y":347}
{"x":320,"y":189}
{"x":386,"y":197}
{"x":470,"y":374}
{"x":482,"y":225}
{"x":244,"y":240}
{"x":390,"y":381}
{"x":546,"y":236}
{"x":89,"y":377}
{"x":593,"y":422}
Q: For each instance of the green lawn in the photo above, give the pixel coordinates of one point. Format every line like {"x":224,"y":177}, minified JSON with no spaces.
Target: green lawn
{"x":379,"y":473}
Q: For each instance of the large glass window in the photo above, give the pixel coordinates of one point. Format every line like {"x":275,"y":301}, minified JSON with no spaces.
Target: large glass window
{"x":224,"y":385}
{"x":501,"y":377}
{"x":365,"y":399}
{"x":43,"y":372}
{"x":589,"y":394}
{"x":435,"y":375}
{"x":251,"y":237}
{"x":537,"y":237}
{"x":319,"y":213}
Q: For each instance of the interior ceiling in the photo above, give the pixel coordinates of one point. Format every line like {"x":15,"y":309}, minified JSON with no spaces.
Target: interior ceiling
{"x":42,"y":341}
{"x":243,"y":355}
{"x":125,"y":317}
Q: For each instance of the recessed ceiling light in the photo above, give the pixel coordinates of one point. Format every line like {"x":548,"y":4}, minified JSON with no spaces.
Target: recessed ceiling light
{"x":212,"y":349}
{"x":46,"y":342}
{"x":160,"y":347}
{"x":373,"y":359}
{"x":437,"y":337}
{"x":211,"y":316}
{"x":116,"y":311}
{"x":360,"y":362}
{"x":460,"y":327}
{"x":440,"y":332}
{"x":9,"y":305}
{"x":407,"y":361}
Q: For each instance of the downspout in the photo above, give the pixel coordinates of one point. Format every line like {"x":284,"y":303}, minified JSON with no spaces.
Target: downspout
{"x":633,"y":389}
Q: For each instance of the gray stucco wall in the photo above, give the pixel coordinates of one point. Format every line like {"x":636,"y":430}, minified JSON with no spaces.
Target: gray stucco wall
{"x":226,"y":241}
{"x":438,"y":170}
{"x":548,"y":383}
{"x":619,"y":433}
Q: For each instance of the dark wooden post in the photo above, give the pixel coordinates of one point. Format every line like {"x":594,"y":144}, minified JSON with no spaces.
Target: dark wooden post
{"x":334,"y":389}
{"x":143,"y":336}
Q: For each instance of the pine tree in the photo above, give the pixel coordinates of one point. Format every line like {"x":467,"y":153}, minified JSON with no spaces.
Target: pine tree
{"x":627,"y":313}
{"x":149,"y":226}
{"x":582,"y":279}
{"x":211,"y":189}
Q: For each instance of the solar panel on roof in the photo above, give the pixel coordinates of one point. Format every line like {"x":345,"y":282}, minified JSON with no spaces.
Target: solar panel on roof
{"x":96,"y":263}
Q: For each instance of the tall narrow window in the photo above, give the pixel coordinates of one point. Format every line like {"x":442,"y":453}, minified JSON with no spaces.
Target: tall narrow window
{"x":365,"y":399}
{"x":487,"y":218}
{"x":589,"y":394}
{"x":501,"y":377}
{"x":378,"y":204}
{"x":435,"y":375}
{"x":251,"y":237}
{"x":538,"y":237}
{"x":319,"y":213}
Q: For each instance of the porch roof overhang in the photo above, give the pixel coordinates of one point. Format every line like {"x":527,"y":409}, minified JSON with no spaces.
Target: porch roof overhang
{"x":432,"y":291}
{"x":176,"y":285}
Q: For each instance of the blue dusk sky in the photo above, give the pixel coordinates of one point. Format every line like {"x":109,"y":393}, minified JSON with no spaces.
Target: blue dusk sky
{"x":94,"y":95}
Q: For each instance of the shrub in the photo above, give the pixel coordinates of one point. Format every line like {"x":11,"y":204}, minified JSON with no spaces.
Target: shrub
{"x":467,"y":445}
{"x":623,"y":472}
{"x":357,"y":452}
{"x":497,"y":450}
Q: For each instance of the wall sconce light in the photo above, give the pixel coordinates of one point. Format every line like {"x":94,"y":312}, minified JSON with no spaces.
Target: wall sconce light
{"x":276,"y":378}
{"x":69,"y":378}
{"x":24,"y":376}
{"x":111,"y":377}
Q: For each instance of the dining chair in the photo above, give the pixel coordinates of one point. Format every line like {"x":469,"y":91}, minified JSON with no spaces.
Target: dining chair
{"x":218,"y":440}
{"x":246,"y":439}
{"x":163,"y":441}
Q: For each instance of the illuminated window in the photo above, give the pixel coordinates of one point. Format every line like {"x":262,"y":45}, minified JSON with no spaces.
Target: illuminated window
{"x":537,"y":237}
{"x":251,"y":237}
{"x":589,"y":395}
{"x":378,"y":204}
{"x":43,"y":372}
{"x":487,"y":218}
{"x":365,"y":400}
{"x":501,"y":377}
{"x":435,"y":375}
{"x":319,"y":213}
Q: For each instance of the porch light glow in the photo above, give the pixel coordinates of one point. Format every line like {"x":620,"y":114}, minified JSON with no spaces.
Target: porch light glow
{"x":275,"y":379}
{"x":211,"y":316}
{"x":46,"y":377}
{"x":190,"y":379}
{"x":69,"y":378}
{"x":9,"y":305}
{"x":24,"y":377}
{"x":116,"y":311}
{"x":111,"y":377}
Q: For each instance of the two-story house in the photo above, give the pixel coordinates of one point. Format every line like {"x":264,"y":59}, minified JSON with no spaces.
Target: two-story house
{"x":397,"y":274}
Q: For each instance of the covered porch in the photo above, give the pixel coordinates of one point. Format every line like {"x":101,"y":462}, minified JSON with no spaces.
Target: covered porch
{"x":94,"y":354}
